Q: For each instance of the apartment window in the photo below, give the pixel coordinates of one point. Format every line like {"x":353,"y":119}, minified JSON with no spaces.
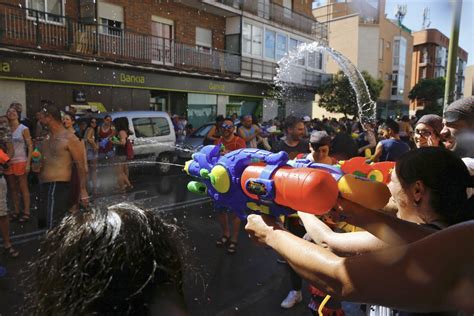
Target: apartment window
{"x":46,"y":10}
{"x":203,"y":40}
{"x":270,"y":44}
{"x":162,"y":40}
{"x":381,"y":49}
{"x":293,"y":46}
{"x":396,"y":52}
{"x":252,"y":39}
{"x":287,"y":8}
{"x":110,"y":18}
{"x":315,"y":60}
{"x":110,"y":27}
{"x":264,"y":8}
{"x":281,"y":46}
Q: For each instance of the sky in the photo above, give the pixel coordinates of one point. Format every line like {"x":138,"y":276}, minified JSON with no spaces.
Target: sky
{"x":441,"y":14}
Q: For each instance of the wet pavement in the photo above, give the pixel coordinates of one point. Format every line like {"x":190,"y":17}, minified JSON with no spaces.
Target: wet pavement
{"x":250,"y":282}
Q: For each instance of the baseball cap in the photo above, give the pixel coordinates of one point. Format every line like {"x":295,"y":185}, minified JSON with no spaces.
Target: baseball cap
{"x":432,"y":120}
{"x":306,"y":118}
{"x":320,"y":138}
{"x":462,"y":109}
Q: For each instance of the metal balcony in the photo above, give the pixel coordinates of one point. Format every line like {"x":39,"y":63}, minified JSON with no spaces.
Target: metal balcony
{"x":279,"y":14}
{"x":60,"y":34}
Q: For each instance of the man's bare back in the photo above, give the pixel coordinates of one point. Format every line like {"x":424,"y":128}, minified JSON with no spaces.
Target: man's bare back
{"x":57,"y":159}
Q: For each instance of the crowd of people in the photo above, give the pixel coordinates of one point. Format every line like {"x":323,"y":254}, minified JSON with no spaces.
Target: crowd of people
{"x":58,"y":159}
{"x":407,"y":261}
{"x":431,"y":187}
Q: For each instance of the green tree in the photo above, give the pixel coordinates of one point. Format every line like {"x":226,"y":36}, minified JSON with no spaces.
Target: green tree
{"x":429,"y":92}
{"x":339,"y":97}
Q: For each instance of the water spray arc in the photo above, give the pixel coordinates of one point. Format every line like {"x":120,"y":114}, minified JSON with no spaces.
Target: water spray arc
{"x":366,"y":106}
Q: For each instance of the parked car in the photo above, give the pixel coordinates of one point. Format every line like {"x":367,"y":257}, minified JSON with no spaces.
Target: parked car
{"x":153,"y":136}
{"x":193,"y":142}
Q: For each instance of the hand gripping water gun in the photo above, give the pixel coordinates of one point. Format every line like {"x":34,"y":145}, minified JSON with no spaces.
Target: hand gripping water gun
{"x":268,"y":183}
{"x":36,"y":155}
{"x":36,"y":160}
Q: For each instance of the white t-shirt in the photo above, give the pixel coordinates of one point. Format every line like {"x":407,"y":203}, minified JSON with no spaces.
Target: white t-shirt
{"x":19,"y":144}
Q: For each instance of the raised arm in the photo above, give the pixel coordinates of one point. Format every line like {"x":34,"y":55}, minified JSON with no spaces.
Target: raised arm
{"x":386,"y":227}
{"x":427,"y":275}
{"x":341,"y":243}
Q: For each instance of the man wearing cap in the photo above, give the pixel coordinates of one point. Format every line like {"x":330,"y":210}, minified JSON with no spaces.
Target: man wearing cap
{"x":428,"y":130}
{"x":458,"y":122}
{"x":319,"y":145}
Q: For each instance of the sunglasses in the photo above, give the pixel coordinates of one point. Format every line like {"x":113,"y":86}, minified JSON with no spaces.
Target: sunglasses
{"x":93,"y":122}
{"x":227,"y":126}
{"x":423,"y":132}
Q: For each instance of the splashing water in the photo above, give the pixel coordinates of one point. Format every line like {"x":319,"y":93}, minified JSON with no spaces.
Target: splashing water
{"x":366,"y":106}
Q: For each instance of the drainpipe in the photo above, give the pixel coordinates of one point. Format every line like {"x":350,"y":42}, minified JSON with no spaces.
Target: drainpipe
{"x":452,"y":54}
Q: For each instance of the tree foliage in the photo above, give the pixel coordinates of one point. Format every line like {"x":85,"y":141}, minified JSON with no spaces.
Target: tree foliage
{"x":429,"y":92}
{"x":338,"y":96}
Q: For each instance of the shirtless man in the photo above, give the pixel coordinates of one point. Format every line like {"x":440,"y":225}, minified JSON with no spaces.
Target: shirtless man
{"x":60,"y":149}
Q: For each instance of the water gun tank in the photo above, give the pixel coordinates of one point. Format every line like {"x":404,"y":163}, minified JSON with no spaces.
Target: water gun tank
{"x":304,"y":189}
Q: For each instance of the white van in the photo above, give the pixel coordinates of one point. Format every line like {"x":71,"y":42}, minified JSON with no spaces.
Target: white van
{"x":153,"y":136}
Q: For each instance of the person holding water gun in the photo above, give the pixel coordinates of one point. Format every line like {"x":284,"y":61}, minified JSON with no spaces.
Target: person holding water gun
{"x":390,"y":247}
{"x":229,"y":142}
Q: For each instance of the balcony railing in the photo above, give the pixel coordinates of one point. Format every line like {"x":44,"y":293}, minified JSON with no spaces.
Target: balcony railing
{"x":40,"y":30}
{"x":282,"y":15}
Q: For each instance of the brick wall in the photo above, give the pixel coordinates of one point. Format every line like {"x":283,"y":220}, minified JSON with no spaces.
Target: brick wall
{"x":137,"y":15}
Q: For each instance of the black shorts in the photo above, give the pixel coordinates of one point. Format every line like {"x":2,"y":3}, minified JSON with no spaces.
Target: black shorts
{"x":54,"y":203}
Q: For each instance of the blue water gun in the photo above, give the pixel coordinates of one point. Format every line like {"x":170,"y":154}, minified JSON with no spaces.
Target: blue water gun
{"x":256,"y":180}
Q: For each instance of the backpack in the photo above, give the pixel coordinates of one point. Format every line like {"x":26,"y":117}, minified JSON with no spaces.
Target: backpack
{"x":129,"y":149}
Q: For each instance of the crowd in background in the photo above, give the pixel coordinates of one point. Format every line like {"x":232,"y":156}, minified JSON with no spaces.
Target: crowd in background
{"x":61,"y":152}
{"x":431,"y":184}
{"x":330,"y":140}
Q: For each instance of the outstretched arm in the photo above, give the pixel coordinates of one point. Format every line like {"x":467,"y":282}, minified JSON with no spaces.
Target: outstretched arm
{"x":341,"y":243}
{"x":427,"y":275}
{"x":391,"y":230}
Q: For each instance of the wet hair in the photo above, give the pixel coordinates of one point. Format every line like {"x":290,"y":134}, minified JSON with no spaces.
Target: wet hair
{"x":103,"y":261}
{"x":391,"y":124}
{"x":447,"y":178}
{"x":49,"y":108}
